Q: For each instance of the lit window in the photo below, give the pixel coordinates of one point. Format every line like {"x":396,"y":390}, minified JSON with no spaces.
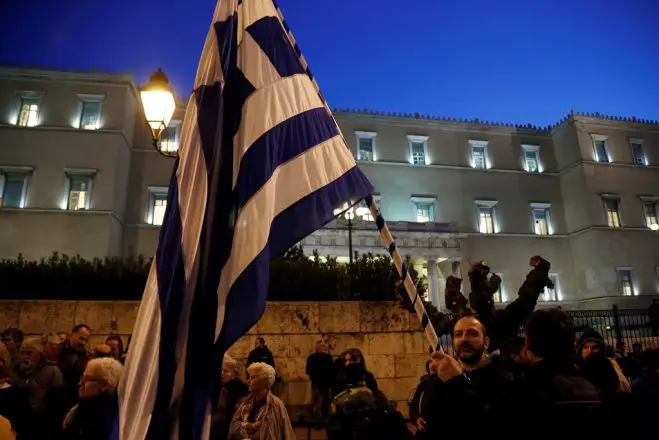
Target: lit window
{"x":540,"y":218}
{"x":29,"y":114}
{"x":486,"y":216}
{"x":651,"y":219}
{"x":366,"y":146}
{"x":364,"y":212}
{"x":157,"y":205}
{"x":532,"y":158}
{"x":13,"y":186}
{"x":497,"y":297}
{"x":551,"y":294}
{"x":625,"y":280}
{"x":478,"y":154}
{"x":79,"y":192}
{"x":90,"y":115}
{"x":612,"y":209}
{"x":638,"y":155}
{"x":418,"y":149}
{"x":170,"y":137}
{"x":425,"y":212}
{"x":599,"y":144}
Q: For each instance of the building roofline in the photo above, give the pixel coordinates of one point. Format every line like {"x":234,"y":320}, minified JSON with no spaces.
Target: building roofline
{"x":64,"y":74}
{"x":127,"y":78}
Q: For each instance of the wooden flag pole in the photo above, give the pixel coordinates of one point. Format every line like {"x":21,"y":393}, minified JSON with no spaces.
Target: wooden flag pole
{"x":401,"y":267}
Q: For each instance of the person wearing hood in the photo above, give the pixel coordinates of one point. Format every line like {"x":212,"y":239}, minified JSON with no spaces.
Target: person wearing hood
{"x":596,"y":367}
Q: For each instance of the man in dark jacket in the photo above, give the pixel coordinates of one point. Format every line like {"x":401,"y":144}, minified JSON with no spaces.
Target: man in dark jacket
{"x":594,"y":364}
{"x":261,"y":353}
{"x":320,"y":369}
{"x":73,"y":361}
{"x":420,"y":410}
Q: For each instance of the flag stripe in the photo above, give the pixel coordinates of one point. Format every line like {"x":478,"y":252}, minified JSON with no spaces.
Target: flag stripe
{"x":256,"y":66}
{"x":253,"y":11}
{"x":285,"y":141}
{"x":269,"y":34}
{"x":279,"y":101}
{"x":291,"y":226}
{"x":289,"y":183}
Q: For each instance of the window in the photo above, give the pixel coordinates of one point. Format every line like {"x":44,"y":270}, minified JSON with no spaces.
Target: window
{"x":424,"y":209}
{"x":364,"y":211}
{"x":366,"y":146}
{"x":418,"y":149}
{"x":551,"y":294}
{"x":638,"y":155}
{"x":29,"y":112}
{"x":424,"y":213}
{"x":157,"y":205}
{"x":79,"y":193}
{"x":12,"y":189}
{"x":625,"y":281}
{"x":479,"y":154}
{"x":486,"y":219}
{"x":170,"y":137}
{"x":90,"y":115}
{"x":497,"y":297}
{"x":612,"y":209}
{"x":599,"y":144}
{"x":532,"y":158}
{"x":651,"y":218}
{"x":541,"y":223}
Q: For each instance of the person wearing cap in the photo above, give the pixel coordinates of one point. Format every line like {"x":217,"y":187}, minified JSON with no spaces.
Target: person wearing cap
{"x":595,"y":366}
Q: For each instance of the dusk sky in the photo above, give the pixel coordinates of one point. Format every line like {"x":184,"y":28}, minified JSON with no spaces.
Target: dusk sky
{"x":508,"y":60}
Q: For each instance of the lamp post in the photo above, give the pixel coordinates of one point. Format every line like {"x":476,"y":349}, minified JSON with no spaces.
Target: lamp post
{"x":159,"y":105}
{"x":350,"y":217}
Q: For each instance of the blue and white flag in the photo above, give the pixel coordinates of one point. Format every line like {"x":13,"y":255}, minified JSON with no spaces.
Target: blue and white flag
{"x":262,"y":164}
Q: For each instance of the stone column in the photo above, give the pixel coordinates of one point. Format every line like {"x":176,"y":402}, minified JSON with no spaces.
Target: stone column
{"x":432,"y":281}
{"x":439,"y":301}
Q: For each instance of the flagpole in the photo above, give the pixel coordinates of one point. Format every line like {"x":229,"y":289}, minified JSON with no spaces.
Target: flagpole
{"x":401,"y":266}
{"x":384,"y":230}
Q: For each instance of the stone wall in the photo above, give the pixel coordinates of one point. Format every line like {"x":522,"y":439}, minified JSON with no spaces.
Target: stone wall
{"x":390,"y":337}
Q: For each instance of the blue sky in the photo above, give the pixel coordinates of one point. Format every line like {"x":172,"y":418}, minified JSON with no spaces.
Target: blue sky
{"x":508,"y":60}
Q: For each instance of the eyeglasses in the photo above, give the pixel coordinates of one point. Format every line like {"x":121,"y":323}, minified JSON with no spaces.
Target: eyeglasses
{"x":84,"y":379}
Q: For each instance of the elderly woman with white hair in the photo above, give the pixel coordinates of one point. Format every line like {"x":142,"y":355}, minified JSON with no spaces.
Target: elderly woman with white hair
{"x":228,"y":396}
{"x":94,"y":412}
{"x":262,"y":416}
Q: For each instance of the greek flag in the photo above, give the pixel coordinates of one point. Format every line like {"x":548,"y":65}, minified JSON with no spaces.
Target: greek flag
{"x":262,"y":164}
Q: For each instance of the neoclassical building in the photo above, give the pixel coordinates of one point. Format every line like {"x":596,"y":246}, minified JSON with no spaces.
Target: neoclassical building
{"x":79,"y":176}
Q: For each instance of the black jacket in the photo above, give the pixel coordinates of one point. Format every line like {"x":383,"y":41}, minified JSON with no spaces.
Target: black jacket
{"x":420,"y":403}
{"x":92,"y":419}
{"x":261,"y":354}
{"x":321,"y":370}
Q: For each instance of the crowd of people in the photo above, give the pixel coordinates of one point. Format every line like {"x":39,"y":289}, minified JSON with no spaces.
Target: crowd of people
{"x":54,"y":387}
{"x":551,"y":381}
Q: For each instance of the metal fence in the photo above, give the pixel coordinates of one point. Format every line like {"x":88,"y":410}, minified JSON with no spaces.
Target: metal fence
{"x":631,"y":326}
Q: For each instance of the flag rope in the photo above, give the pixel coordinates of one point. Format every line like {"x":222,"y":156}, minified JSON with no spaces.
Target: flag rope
{"x":404,"y":273}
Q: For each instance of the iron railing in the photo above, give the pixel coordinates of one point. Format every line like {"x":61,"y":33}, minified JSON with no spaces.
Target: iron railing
{"x":628,"y":325}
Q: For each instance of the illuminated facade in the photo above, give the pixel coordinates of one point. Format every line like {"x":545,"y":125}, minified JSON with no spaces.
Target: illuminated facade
{"x":79,"y":176}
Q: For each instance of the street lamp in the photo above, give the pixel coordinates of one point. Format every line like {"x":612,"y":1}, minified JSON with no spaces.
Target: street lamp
{"x":654,"y":227}
{"x":159,"y":105}
{"x":351,"y":216}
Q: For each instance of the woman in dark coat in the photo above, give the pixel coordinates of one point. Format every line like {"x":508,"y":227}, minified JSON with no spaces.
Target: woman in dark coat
{"x":230,"y":394}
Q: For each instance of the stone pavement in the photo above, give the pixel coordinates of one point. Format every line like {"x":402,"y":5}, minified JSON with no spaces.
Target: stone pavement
{"x":302,"y":434}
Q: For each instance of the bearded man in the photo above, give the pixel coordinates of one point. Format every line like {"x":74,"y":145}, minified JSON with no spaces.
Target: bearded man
{"x":472,"y":387}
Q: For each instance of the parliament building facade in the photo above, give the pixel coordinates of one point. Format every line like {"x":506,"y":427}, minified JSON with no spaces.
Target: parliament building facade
{"x":78,"y":175}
